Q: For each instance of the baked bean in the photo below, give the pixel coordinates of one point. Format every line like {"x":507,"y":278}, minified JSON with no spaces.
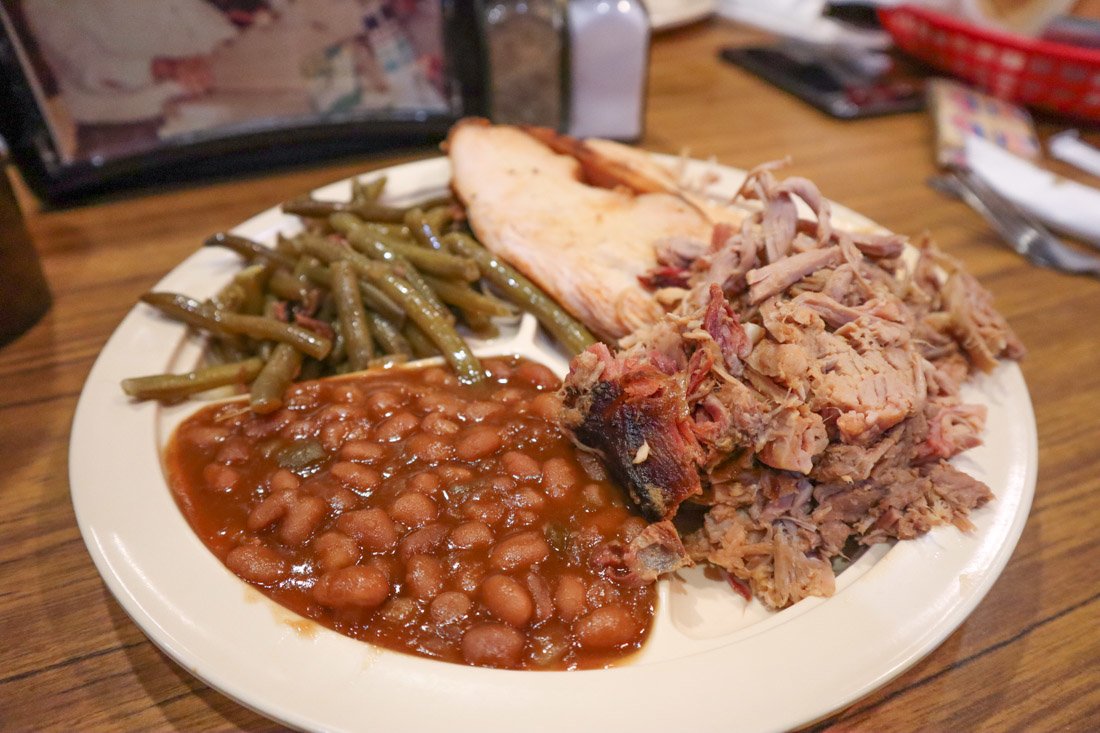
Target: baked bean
{"x":221,"y":477}
{"x":484,"y":510}
{"x":546,"y":406}
{"x":524,"y":517}
{"x":339,"y":499}
{"x":363,"y":479}
{"x":303,"y":396}
{"x":507,"y":599}
{"x":477,"y":443}
{"x":439,"y":403}
{"x":537,"y":375}
{"x":423,"y":541}
{"x":428,"y":447}
{"x":452,"y":474}
{"x":425,"y":482}
{"x":540,"y":594}
{"x":269,"y":511}
{"x":384,"y":564}
{"x":437,"y":376}
{"x":362,"y":451}
{"x":601,"y":592}
{"x":519,"y":551}
{"x":592,"y":496}
{"x":468,"y":575}
{"x":558,"y":478}
{"x":302,"y":517}
{"x":424,"y":576}
{"x":521,"y":465}
{"x":205,"y":437}
{"x":449,"y":607}
{"x":346,"y":392}
{"x":399,"y":611}
{"x":569,"y":598}
{"x":373,"y":529}
{"x":509,"y":395}
{"x":383,"y":404}
{"x":497,"y":369}
{"x":284,"y":480}
{"x":257,"y":563}
{"x":333,"y":435}
{"x":527,"y":498}
{"x":471,"y":535}
{"x":606,"y":628}
{"x":396,"y":427}
{"x":339,"y":413}
{"x":335,"y":550}
{"x":413,"y":509}
{"x":492,"y":645}
{"x":436,"y":424}
{"x":482,"y":411}
{"x":356,"y":586}
{"x":233,"y":450}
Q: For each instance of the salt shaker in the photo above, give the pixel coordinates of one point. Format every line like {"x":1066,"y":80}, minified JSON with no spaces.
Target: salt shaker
{"x":608,"y":59}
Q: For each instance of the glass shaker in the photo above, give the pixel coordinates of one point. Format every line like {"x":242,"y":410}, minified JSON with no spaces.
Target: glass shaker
{"x":524,"y":41}
{"x":24,"y":294}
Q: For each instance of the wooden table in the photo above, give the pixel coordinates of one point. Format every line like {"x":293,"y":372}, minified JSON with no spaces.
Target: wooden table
{"x":1028,"y":658}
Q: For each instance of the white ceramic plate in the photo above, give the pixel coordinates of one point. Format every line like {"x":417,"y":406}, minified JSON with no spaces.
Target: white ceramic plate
{"x":668,"y":14}
{"x":713,"y":662}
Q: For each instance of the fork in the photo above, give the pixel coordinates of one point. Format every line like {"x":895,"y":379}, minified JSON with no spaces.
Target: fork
{"x":1020,"y":230}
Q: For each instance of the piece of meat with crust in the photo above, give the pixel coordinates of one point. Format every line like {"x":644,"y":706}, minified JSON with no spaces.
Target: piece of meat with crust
{"x":637,"y":420}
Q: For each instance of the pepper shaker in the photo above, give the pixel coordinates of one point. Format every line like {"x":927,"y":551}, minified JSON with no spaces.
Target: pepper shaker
{"x":525,"y":44}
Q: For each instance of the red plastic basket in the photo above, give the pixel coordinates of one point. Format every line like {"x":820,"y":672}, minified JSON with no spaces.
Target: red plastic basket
{"x":1053,"y":76}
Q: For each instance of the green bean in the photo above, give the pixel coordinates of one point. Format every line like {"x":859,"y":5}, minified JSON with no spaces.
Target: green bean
{"x":419,"y":310}
{"x":274,"y":378}
{"x":426,"y":227}
{"x":389,"y":336}
{"x":372,"y":297}
{"x":399,"y":232}
{"x":352,"y":316}
{"x":311,"y":208}
{"x":365,"y":243}
{"x":224,"y":351}
{"x":569,"y":332}
{"x":468,"y":300}
{"x":231,"y":297}
{"x":370,"y":191}
{"x":224,"y":323}
{"x":481,"y":324}
{"x":250,"y":250}
{"x":174,"y":387}
{"x":387,"y":361}
{"x":372,"y":210}
{"x":439,"y":263}
{"x":288,"y":287}
{"x":422,"y":347}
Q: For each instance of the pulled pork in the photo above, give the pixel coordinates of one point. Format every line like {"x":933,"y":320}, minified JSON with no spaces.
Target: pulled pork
{"x":803,"y":386}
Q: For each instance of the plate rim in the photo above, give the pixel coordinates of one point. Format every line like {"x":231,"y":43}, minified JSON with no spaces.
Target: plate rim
{"x":121,"y":583}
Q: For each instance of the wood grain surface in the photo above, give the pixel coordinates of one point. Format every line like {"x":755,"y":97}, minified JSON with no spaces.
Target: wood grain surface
{"x":1027,"y":659}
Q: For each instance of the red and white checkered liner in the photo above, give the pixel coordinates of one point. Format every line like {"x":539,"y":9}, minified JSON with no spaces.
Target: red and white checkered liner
{"x":1052,"y":76}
